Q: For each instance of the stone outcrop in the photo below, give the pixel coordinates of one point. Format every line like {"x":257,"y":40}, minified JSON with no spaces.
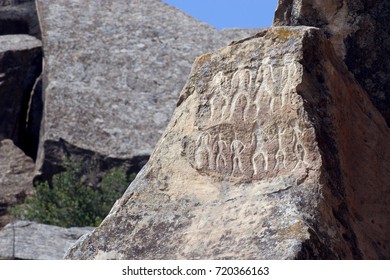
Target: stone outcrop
{"x":113,"y":72}
{"x":19,"y":17}
{"x":16,"y":176}
{"x":20,"y":65}
{"x":360,"y":32}
{"x":273,"y":152}
{"x":31,"y":241}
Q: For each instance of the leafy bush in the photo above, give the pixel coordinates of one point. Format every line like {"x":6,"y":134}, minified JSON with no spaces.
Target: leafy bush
{"x":69,"y":201}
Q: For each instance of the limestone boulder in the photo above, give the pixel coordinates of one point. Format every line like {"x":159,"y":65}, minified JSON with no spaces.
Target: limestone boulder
{"x":16,"y":177}
{"x":20,"y":65}
{"x":25,"y":240}
{"x":360,"y":33}
{"x":113,"y":72}
{"x":273,"y":152}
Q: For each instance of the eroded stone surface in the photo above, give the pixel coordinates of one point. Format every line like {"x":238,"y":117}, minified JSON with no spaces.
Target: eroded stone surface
{"x":360,"y":32}
{"x":114,"y":70}
{"x":259,"y":161}
{"x":32,"y":241}
{"x":16,"y":176}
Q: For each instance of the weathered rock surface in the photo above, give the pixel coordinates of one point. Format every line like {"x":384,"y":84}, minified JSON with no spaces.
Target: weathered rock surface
{"x":32,"y":241}
{"x":19,"y":17}
{"x":113,"y":72}
{"x":360,"y":32}
{"x":274,"y":152}
{"x":16,"y":177}
{"x":20,"y":65}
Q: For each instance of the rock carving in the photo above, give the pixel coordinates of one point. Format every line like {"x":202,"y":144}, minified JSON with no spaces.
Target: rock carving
{"x":243,"y":100}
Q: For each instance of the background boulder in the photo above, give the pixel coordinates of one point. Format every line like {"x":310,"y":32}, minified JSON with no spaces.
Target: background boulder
{"x":25,"y":240}
{"x":113,"y":72}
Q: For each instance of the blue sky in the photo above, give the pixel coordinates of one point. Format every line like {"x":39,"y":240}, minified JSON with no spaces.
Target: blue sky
{"x":229,"y":13}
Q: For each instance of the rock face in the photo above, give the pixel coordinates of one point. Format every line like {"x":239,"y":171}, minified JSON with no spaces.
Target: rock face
{"x":19,"y":17}
{"x":20,"y":65}
{"x":16,"y":175}
{"x":360,"y":32}
{"x":269,"y":155}
{"x":113,"y":72}
{"x":32,"y":241}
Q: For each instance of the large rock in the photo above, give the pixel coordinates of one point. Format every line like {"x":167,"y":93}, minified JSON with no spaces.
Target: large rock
{"x":360,"y":32}
{"x":20,"y":65}
{"x":113,"y":72}
{"x":19,"y":17}
{"x":274,"y":152}
{"x":16,"y":177}
{"x":31,"y":241}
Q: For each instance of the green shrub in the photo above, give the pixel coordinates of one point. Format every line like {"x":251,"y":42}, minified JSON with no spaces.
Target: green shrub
{"x":69,"y":201}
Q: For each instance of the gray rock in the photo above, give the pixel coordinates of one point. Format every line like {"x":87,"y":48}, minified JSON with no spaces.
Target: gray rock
{"x":274,"y":152}
{"x":16,"y":177}
{"x":113,"y":72}
{"x":360,"y":32}
{"x":20,"y":65}
{"x":32,"y":241}
{"x":19,"y":17}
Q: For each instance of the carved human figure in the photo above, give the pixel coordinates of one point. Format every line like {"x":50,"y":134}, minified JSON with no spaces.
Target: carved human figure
{"x":223,"y":155}
{"x":271,"y":145}
{"x":237,"y":147}
{"x":260,"y":156}
{"x":288,"y":74}
{"x":219,"y":99}
{"x":299,"y":149}
{"x":280,"y":161}
{"x":265,"y":96}
{"x":300,"y":154}
{"x":203,"y":151}
{"x":241,"y":87}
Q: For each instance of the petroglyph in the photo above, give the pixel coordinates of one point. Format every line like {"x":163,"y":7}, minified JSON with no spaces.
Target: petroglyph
{"x":241,"y":89}
{"x":264,"y":138}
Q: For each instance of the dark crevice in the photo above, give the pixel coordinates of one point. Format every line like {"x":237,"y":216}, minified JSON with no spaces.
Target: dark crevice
{"x":23,"y":140}
{"x":57,"y":152}
{"x":22,"y":105}
{"x":9,"y":27}
{"x":314,"y":249}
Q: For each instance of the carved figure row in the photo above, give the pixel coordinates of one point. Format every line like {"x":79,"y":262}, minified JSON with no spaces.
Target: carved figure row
{"x":242,"y":97}
{"x":256,"y":155}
